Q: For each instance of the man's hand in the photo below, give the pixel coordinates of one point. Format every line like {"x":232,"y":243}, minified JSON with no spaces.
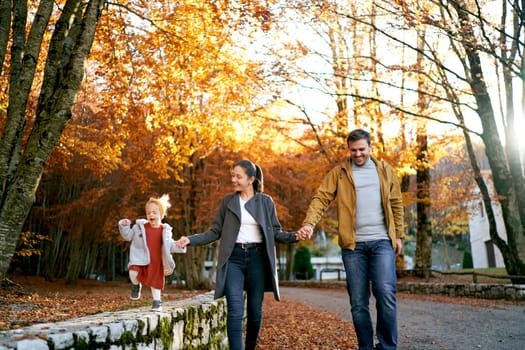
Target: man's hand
{"x":305,"y":232}
{"x":399,"y":246}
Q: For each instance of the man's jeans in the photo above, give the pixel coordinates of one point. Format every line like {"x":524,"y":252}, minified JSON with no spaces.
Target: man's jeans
{"x":245,"y":268}
{"x":372,"y":262}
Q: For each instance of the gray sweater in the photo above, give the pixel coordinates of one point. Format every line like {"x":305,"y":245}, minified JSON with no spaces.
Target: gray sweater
{"x":370,"y":218}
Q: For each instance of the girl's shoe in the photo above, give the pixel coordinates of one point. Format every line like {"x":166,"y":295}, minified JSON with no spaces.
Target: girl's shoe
{"x":135,"y":291}
{"x":157,"y":305}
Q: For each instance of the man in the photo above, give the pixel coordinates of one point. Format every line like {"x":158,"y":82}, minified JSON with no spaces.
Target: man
{"x":370,"y":215}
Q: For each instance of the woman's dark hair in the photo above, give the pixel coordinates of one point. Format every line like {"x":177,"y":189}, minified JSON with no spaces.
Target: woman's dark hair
{"x":358,"y":134}
{"x":254,"y":170}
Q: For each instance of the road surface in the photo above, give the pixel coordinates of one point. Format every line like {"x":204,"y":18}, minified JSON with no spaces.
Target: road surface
{"x":425,"y":325}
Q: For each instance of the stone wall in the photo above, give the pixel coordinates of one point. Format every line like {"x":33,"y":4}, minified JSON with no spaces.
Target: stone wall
{"x":196,"y":323}
{"x":469,"y":290}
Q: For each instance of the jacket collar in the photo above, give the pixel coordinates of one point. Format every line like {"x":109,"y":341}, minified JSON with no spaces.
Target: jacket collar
{"x":347,"y":164}
{"x":142,"y":222}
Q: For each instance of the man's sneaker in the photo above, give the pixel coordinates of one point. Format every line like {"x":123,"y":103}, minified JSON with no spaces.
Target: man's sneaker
{"x":157,"y":305}
{"x":135,"y":291}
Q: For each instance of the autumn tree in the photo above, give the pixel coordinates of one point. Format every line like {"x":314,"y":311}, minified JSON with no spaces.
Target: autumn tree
{"x":341,"y":58}
{"x":452,"y":194}
{"x":78,"y":197}
{"x":73,"y":26}
{"x":477,"y":54}
{"x":465,"y":43}
{"x":483,"y":44}
{"x":168,"y":89}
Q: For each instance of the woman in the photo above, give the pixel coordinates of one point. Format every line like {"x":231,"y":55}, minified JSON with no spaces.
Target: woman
{"x":248,"y":228}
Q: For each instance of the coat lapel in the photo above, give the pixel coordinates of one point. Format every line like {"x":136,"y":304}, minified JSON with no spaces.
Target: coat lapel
{"x":234,"y":206}
{"x":251,"y":206}
{"x":255,"y":208}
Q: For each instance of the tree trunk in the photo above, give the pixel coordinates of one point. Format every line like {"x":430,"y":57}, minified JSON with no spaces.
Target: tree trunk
{"x":5,"y":24}
{"x":195,"y":258}
{"x":64,"y":72}
{"x":513,"y":250}
{"x":424,"y":228}
{"x":76,"y":258}
{"x":56,"y":246}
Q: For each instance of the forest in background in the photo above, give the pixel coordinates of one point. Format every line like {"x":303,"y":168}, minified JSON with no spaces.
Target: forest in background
{"x":173,"y":93}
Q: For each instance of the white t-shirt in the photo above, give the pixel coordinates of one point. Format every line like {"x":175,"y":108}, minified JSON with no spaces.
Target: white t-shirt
{"x":250,"y":232}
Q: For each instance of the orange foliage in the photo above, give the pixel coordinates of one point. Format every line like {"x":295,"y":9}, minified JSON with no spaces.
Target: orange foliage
{"x":170,"y":101}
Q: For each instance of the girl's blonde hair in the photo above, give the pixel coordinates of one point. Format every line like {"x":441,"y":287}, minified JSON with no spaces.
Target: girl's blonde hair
{"x":163,"y":202}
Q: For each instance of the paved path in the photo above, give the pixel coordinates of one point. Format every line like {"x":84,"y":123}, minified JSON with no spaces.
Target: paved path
{"x":427,"y":325}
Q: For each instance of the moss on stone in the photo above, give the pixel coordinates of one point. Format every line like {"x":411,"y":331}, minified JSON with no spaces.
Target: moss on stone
{"x":165,"y":332}
{"x":190,"y":321}
{"x":127,"y":338}
{"x":80,"y":343}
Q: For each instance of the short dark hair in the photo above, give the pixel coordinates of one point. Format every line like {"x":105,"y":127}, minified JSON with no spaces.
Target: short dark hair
{"x":358,"y":134}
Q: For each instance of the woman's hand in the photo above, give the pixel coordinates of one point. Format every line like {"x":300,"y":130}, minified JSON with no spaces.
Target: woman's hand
{"x":304,"y":232}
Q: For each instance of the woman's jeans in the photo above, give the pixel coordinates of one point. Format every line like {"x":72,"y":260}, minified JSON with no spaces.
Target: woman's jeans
{"x":373,"y":262}
{"x":245,"y":268}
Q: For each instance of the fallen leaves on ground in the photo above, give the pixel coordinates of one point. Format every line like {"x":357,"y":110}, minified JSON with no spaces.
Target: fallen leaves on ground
{"x":27,"y":300}
{"x":291,"y":325}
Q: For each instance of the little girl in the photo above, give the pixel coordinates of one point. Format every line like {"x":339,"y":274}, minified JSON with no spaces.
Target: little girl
{"x":150,"y":251}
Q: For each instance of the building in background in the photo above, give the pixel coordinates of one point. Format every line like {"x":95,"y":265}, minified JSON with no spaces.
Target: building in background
{"x":484,"y":252}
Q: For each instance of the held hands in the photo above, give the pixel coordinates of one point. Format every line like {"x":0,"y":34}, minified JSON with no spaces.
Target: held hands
{"x":182,"y":242}
{"x":304,"y":232}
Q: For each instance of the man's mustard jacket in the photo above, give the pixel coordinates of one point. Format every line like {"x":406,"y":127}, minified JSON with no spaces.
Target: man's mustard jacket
{"x":339,"y":185}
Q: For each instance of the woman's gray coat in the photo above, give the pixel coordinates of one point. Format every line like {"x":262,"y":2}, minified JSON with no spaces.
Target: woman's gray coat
{"x":226,"y":227}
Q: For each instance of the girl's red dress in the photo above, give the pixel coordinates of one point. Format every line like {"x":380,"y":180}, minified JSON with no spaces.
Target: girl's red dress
{"x":152,"y":275}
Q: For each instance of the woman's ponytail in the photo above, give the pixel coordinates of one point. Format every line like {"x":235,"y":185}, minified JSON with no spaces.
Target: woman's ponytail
{"x":253,"y":170}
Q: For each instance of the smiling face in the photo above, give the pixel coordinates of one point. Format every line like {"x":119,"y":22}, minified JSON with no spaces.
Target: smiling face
{"x":241,"y":181}
{"x":153,"y":214}
{"x":359,"y":151}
